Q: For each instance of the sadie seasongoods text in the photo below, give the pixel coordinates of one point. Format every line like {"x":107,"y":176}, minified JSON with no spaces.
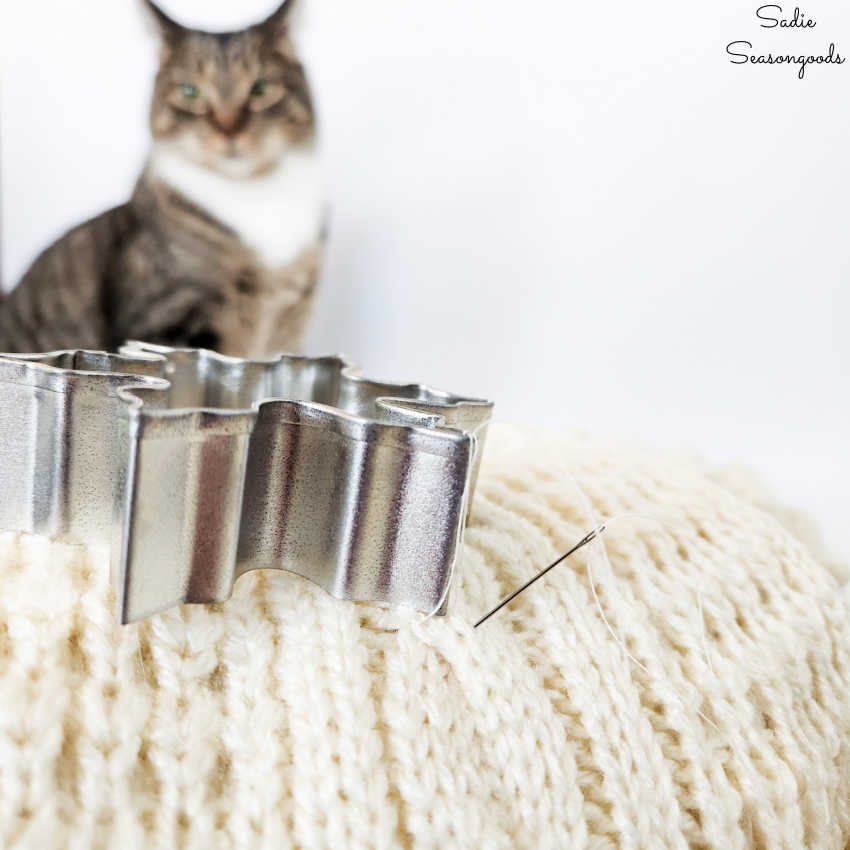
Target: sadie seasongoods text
{"x":770,"y":16}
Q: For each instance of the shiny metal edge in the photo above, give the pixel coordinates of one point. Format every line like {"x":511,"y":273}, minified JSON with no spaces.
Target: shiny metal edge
{"x":195,"y":468}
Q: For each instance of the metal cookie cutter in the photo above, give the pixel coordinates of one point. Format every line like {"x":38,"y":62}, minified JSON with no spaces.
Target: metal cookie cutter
{"x":195,"y":468}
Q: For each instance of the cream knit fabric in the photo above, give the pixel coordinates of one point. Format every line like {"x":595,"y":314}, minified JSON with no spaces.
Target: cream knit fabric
{"x":286,"y":719}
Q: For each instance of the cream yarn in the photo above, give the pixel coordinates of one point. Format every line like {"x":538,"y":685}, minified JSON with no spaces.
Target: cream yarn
{"x":285,"y":719}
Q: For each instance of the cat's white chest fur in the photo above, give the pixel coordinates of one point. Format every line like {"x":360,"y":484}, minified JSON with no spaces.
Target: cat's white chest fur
{"x":278,"y":213}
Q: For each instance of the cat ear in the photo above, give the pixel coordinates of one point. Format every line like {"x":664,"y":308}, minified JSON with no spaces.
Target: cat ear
{"x":278,"y":21}
{"x":168,"y":28}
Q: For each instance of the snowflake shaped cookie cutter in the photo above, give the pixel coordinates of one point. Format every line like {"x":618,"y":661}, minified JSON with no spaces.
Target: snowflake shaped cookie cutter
{"x":195,"y":468}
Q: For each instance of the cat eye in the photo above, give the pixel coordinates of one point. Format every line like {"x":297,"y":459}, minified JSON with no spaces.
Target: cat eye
{"x":188,"y":97}
{"x":189,"y":90}
{"x":264,"y":94}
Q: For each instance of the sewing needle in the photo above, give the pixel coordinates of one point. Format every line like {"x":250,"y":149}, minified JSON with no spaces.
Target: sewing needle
{"x":591,"y":535}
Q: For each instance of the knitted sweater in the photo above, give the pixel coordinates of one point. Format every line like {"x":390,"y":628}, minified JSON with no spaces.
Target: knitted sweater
{"x":283,"y":718}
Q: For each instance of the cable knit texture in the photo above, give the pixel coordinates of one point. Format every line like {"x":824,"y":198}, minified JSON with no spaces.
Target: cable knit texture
{"x":283,"y":718}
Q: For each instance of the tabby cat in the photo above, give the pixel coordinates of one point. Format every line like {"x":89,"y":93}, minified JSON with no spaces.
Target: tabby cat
{"x":219,"y":245}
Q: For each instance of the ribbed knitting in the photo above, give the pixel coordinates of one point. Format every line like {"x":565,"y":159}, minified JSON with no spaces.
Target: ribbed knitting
{"x":283,"y":718}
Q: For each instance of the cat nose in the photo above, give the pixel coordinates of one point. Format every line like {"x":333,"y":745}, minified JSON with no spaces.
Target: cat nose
{"x":229,"y":120}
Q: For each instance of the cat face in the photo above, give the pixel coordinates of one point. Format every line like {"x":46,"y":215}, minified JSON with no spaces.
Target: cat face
{"x":231,"y":102}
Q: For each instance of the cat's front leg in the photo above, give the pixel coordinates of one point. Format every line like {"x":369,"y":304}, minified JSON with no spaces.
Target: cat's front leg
{"x":266,"y":311}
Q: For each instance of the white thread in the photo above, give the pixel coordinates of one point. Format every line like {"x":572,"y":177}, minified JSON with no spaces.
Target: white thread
{"x":600,"y":528}
{"x":667,"y":527}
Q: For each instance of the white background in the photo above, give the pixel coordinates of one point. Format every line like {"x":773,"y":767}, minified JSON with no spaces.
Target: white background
{"x":584,"y":211}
